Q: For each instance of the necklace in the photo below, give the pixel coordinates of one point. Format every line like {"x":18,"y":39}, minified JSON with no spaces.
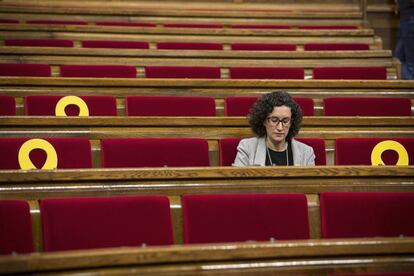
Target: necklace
{"x":270,"y":158}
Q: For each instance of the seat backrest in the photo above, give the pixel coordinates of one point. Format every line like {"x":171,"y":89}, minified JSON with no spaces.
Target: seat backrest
{"x":46,"y":105}
{"x":7,"y":105}
{"x":83,"y":223}
{"x":214,"y":218}
{"x":189,"y":46}
{"x":154,"y":152}
{"x":358,"y":151}
{"x":15,"y":227}
{"x":191,"y":25}
{"x":350,"y":73}
{"x":125,"y":24}
{"x":327,"y":27}
{"x":71,"y":153}
{"x":8,"y":21}
{"x":57,"y":22}
{"x":39,"y":42}
{"x":115,"y":44}
{"x":228,"y":150}
{"x":170,"y":106}
{"x":25,"y":70}
{"x":266,"y":73}
{"x":319,"y":148}
{"x":366,"y":106}
{"x":259,"y":26}
{"x":182,"y":72}
{"x":335,"y":46}
{"x":98,"y":71}
{"x":366,"y":214}
{"x":263,"y":47}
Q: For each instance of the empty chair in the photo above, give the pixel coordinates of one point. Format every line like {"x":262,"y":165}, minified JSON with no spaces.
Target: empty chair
{"x":190,"y":25}
{"x":366,"y":106}
{"x":189,"y":46}
{"x":84,"y":223}
{"x":262,"y":47}
{"x":15,"y":227}
{"x":39,"y":42}
{"x":182,"y":72}
{"x":57,"y":22}
{"x":350,"y":73}
{"x":71,"y":153}
{"x":213,"y":218}
{"x":7,"y":105}
{"x":266,"y":73}
{"x":24,"y":70}
{"x":328,"y":27}
{"x":98,"y":71}
{"x":125,"y":24}
{"x":259,"y":26}
{"x":358,"y":151}
{"x":154,"y":152}
{"x":170,"y":106}
{"x":46,"y":105}
{"x":116,"y":44}
{"x":335,"y":46}
{"x":366,"y":214}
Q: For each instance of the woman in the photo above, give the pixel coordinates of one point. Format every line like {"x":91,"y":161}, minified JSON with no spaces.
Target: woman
{"x":275,"y":118}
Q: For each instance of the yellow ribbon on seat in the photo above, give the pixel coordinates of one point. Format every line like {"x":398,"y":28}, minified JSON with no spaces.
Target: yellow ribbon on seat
{"x":403,"y":159}
{"x":68,"y":100}
{"x":24,"y":158}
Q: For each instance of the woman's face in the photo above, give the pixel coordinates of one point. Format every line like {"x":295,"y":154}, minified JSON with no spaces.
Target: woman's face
{"x":278,"y":123}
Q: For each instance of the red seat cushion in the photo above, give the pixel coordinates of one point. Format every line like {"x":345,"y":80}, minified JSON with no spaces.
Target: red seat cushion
{"x":242,"y":217}
{"x":115,"y":44}
{"x":350,"y":73}
{"x":263,"y":47}
{"x":59,"y":22}
{"x":189,"y":46}
{"x":126,"y":24}
{"x":228,"y":150}
{"x":182,"y":72}
{"x":335,"y":46}
{"x":188,"y":25}
{"x":154,"y":152}
{"x":83,"y":223}
{"x":366,"y":214}
{"x":327,"y":27}
{"x":72,"y":153}
{"x":357,"y":151}
{"x":39,"y":42}
{"x":366,"y":106}
{"x":266,"y":73}
{"x":259,"y":26}
{"x":170,"y":106}
{"x":319,"y":148}
{"x":16,"y":227}
{"x":98,"y":71}
{"x":7,"y":105}
{"x":25,"y":70}
{"x":45,"y":105}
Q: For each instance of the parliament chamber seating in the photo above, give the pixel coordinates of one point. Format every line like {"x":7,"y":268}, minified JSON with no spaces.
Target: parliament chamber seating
{"x":114,"y":44}
{"x":27,"y":70}
{"x":262,"y":47}
{"x":125,"y":24}
{"x":266,"y":73}
{"x":39,"y":42}
{"x":173,"y":72}
{"x":335,"y":46}
{"x":98,"y":71}
{"x":189,"y":46}
{"x":59,"y":22}
{"x":350,"y":73}
{"x":7,"y":105}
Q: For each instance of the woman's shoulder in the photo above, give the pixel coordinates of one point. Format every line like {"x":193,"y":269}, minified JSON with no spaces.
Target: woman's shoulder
{"x":249,"y":141}
{"x":301,"y":145}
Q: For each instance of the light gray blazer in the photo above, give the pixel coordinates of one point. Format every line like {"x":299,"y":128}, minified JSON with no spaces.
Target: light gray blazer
{"x":252,"y":152}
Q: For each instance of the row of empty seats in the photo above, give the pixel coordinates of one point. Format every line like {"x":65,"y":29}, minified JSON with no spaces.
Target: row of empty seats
{"x":82,"y":223}
{"x":66,"y":153}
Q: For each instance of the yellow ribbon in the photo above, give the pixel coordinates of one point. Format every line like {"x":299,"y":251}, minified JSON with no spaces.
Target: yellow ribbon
{"x":377,"y":151}
{"x":24,"y":159}
{"x":68,"y":100}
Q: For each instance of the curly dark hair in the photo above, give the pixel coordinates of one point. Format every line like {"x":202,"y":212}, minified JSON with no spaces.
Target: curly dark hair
{"x":264,"y":106}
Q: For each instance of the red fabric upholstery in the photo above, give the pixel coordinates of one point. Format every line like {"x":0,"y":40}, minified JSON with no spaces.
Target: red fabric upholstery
{"x":357,"y":151}
{"x":376,"y":274}
{"x":243,"y":217}
{"x":71,"y":152}
{"x":154,"y":152}
{"x":115,"y":44}
{"x":39,"y":42}
{"x":366,"y":214}
{"x":266,"y":73}
{"x":83,"y":223}
{"x":335,"y":46}
{"x":306,"y":104}
{"x":350,"y":73}
{"x":263,"y":47}
{"x":45,"y":105}
{"x":7,"y":105}
{"x":259,"y":26}
{"x":65,"y":22}
{"x":189,"y":46}
{"x":98,"y":71}
{"x":126,"y":24}
{"x":15,"y":227}
{"x":25,"y":70}
{"x":228,"y":150}
{"x":182,"y":72}
{"x":170,"y":106}
{"x":185,"y":25}
{"x":339,"y":27}
{"x":366,"y":106}
{"x":9,"y":21}
{"x":319,"y":148}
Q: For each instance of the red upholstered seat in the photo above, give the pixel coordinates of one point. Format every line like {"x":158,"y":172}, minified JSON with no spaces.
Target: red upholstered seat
{"x":319,"y":148}
{"x":182,"y":72}
{"x":84,"y":223}
{"x":259,"y":26}
{"x":154,"y":152}
{"x":366,"y":106}
{"x":266,"y":73}
{"x":9,"y":21}
{"x":189,"y":25}
{"x":64,"y":22}
{"x":366,"y":214}
{"x":98,"y":71}
{"x":15,"y":227}
{"x":25,"y":70}
{"x":335,"y":46}
{"x":328,"y":27}
{"x":71,"y":153}
{"x":263,"y":47}
{"x":170,"y":106}
{"x":126,"y":24}
{"x":45,"y":105}
{"x":39,"y":42}
{"x":7,"y":105}
{"x":189,"y":46}
{"x":350,"y":73}
{"x":115,"y":44}
{"x":357,"y":151}
{"x":241,"y":217}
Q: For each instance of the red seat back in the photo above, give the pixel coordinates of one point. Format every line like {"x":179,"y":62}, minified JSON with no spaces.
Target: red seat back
{"x":25,"y":70}
{"x":98,"y":71}
{"x":189,"y":46}
{"x":263,"y":47}
{"x":57,"y":22}
{"x":266,"y":73}
{"x":335,"y":46}
{"x":190,"y":25}
{"x":182,"y":72}
{"x":350,"y":73}
{"x":228,"y":150}
{"x":259,"y":26}
{"x":7,"y":105}
{"x":125,"y":24}
{"x":115,"y":44}
{"x":39,"y":42}
{"x":319,"y":148}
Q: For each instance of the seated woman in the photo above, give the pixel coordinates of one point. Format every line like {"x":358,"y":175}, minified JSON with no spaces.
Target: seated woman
{"x":275,"y":118}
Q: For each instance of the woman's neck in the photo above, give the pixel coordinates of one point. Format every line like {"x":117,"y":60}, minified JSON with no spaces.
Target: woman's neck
{"x":280,"y":146}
